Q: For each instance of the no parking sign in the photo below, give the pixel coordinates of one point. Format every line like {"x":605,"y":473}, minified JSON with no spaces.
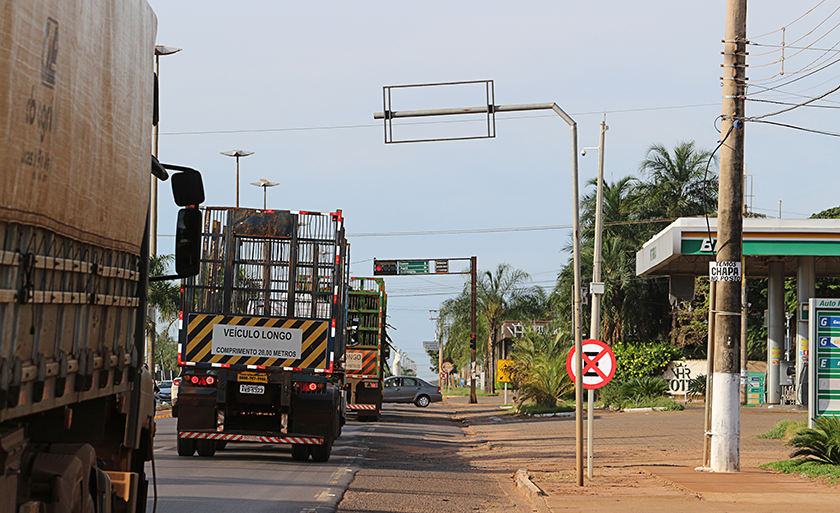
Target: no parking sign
{"x":598,"y":364}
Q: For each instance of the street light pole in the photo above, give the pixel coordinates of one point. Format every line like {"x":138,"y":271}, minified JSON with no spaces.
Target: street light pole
{"x":597,"y":290}
{"x":237,"y":154}
{"x":264,"y":184}
{"x":153,"y":209}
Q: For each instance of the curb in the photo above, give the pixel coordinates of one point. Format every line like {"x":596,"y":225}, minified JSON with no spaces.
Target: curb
{"x":523,"y":482}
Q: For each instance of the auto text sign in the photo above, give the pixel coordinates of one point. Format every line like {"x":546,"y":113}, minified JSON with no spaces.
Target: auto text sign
{"x":725,"y":271}
{"x":259,"y":341}
{"x":598,"y":364}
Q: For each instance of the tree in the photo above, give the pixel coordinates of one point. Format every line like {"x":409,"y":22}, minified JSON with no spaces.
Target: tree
{"x":539,"y":367}
{"x":164,"y":306}
{"x":677,"y":184}
{"x":501,"y":295}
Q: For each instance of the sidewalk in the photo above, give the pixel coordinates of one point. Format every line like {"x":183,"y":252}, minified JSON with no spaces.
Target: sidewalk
{"x":643,"y":461}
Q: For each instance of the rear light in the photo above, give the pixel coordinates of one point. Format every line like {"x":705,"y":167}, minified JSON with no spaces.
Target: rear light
{"x":303,"y":387}
{"x":438,"y":389}
{"x":201,"y":380}
{"x":176,"y":382}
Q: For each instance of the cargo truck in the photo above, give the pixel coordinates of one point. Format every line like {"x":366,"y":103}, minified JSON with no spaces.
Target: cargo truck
{"x":367,"y":347}
{"x":261,"y":348}
{"x":77,"y":109}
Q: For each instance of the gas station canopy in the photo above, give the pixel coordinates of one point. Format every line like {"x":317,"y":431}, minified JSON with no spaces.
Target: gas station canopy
{"x":683,"y":248}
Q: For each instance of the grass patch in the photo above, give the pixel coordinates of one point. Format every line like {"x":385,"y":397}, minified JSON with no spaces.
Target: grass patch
{"x":651,"y":402}
{"x":465,"y":391}
{"x":531,"y":409}
{"x":784,"y":429}
{"x":829,"y":474}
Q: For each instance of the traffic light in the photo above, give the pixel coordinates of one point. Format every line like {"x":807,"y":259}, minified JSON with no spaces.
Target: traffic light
{"x":384,"y":267}
{"x":472,"y":341}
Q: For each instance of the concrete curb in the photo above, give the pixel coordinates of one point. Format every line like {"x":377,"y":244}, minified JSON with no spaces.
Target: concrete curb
{"x":637,"y":410}
{"x":523,"y":482}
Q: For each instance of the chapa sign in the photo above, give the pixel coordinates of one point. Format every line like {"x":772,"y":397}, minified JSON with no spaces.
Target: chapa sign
{"x":724,"y":271}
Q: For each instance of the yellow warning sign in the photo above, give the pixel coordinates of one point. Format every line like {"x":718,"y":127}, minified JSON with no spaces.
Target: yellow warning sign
{"x":503,"y":371}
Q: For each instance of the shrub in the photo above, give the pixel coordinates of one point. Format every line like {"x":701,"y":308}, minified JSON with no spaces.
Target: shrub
{"x":821,"y":443}
{"x":697,"y":387}
{"x":639,"y":359}
{"x":783,"y":429}
{"x":647,"y":386}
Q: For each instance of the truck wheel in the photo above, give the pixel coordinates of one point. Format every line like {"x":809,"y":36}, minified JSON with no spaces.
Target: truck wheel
{"x":221,"y":445}
{"x":422,"y":401}
{"x":321,"y":453}
{"x":300,"y":452}
{"x":186,"y":447}
{"x":206,"y":448}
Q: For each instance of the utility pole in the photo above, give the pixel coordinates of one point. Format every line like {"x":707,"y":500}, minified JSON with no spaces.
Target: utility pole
{"x":726,"y":413}
{"x":473,"y":287}
{"x":597,"y":289}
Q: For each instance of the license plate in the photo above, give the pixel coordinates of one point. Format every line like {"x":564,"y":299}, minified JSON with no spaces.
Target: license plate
{"x":251,"y":389}
{"x":252,"y":377}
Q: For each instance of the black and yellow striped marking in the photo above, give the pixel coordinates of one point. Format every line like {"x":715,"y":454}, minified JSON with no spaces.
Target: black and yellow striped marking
{"x":200,"y":341}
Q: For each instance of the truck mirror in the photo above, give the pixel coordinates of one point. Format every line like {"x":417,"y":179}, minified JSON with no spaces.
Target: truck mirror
{"x":187,"y":187}
{"x":188,"y":242}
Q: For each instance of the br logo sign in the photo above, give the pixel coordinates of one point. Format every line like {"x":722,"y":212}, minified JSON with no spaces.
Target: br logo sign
{"x":598,"y":364}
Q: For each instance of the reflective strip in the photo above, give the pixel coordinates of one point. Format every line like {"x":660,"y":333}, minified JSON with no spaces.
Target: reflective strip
{"x":252,"y":438}
{"x":361,"y":406}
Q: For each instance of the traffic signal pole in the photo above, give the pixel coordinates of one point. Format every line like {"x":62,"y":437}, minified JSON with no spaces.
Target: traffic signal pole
{"x":726,"y":412}
{"x":473,"y":280}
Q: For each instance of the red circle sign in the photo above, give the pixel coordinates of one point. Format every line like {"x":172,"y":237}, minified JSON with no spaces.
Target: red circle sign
{"x":598,"y":364}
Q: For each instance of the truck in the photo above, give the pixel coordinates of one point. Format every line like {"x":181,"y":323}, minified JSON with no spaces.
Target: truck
{"x":78,"y":107}
{"x":262,"y":343}
{"x":367,"y":349}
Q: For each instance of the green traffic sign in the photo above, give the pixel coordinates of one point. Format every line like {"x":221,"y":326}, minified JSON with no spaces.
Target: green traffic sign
{"x":412,"y":267}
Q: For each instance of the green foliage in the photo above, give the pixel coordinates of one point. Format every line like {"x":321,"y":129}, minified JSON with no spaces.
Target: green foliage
{"x":697,"y":387}
{"x":539,"y":367}
{"x":639,"y":359}
{"x":822,"y":443}
{"x":830,"y":474}
{"x":830,"y":213}
{"x":531,"y":409}
{"x":645,"y":386}
{"x":650,"y":402}
{"x":465,"y":391}
{"x":784,"y":429}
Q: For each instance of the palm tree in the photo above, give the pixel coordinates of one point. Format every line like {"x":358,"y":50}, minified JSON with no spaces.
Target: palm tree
{"x":164,"y":301}
{"x":677,"y":184}
{"x":539,"y":367}
{"x":822,"y":443}
{"x":501,"y":295}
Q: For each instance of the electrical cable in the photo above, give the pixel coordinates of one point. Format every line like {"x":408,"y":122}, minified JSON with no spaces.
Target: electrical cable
{"x":705,"y":180}
{"x":791,"y":23}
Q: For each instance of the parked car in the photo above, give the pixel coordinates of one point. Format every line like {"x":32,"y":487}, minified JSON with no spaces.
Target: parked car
{"x":163,"y":391}
{"x":410,"y":389}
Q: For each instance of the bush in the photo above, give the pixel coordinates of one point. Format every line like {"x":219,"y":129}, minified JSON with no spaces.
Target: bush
{"x":647,"y":386}
{"x":783,"y":429}
{"x":697,"y":387}
{"x":640,"y":359}
{"x":820,"y":444}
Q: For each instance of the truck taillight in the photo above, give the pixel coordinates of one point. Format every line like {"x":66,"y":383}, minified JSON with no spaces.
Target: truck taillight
{"x":176,"y":382}
{"x":201,"y":380}
{"x":304,"y":387}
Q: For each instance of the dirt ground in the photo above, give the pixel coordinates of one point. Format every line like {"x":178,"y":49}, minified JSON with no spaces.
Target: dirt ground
{"x":643,"y":458}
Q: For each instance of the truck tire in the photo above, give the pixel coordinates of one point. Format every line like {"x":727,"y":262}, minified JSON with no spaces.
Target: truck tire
{"x":300,"y":452}
{"x":321,"y":453}
{"x":186,"y":447}
{"x":206,"y":448}
{"x":221,"y":444}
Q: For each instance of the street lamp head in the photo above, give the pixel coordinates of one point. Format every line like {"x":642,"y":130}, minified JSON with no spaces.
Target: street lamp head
{"x":264,"y":183}
{"x":166,"y":50}
{"x":237,"y":153}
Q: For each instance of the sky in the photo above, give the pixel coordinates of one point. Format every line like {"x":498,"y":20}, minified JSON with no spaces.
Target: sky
{"x":298,"y":84}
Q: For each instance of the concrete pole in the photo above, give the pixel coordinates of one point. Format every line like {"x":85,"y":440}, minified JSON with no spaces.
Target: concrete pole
{"x":805,"y":284}
{"x":726,"y":413}
{"x":710,"y":367}
{"x":775,"y":329}
{"x":473,"y":292}
{"x":595,"y":321}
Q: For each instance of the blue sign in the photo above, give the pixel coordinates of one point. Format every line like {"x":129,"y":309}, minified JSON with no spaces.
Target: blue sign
{"x":830,"y":342}
{"x":829,"y":322}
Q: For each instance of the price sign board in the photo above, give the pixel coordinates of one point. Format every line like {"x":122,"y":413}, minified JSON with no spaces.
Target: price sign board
{"x":598,"y":364}
{"x":824,"y":367}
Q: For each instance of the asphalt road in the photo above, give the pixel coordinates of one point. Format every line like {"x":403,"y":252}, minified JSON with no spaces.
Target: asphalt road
{"x":251,"y":477}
